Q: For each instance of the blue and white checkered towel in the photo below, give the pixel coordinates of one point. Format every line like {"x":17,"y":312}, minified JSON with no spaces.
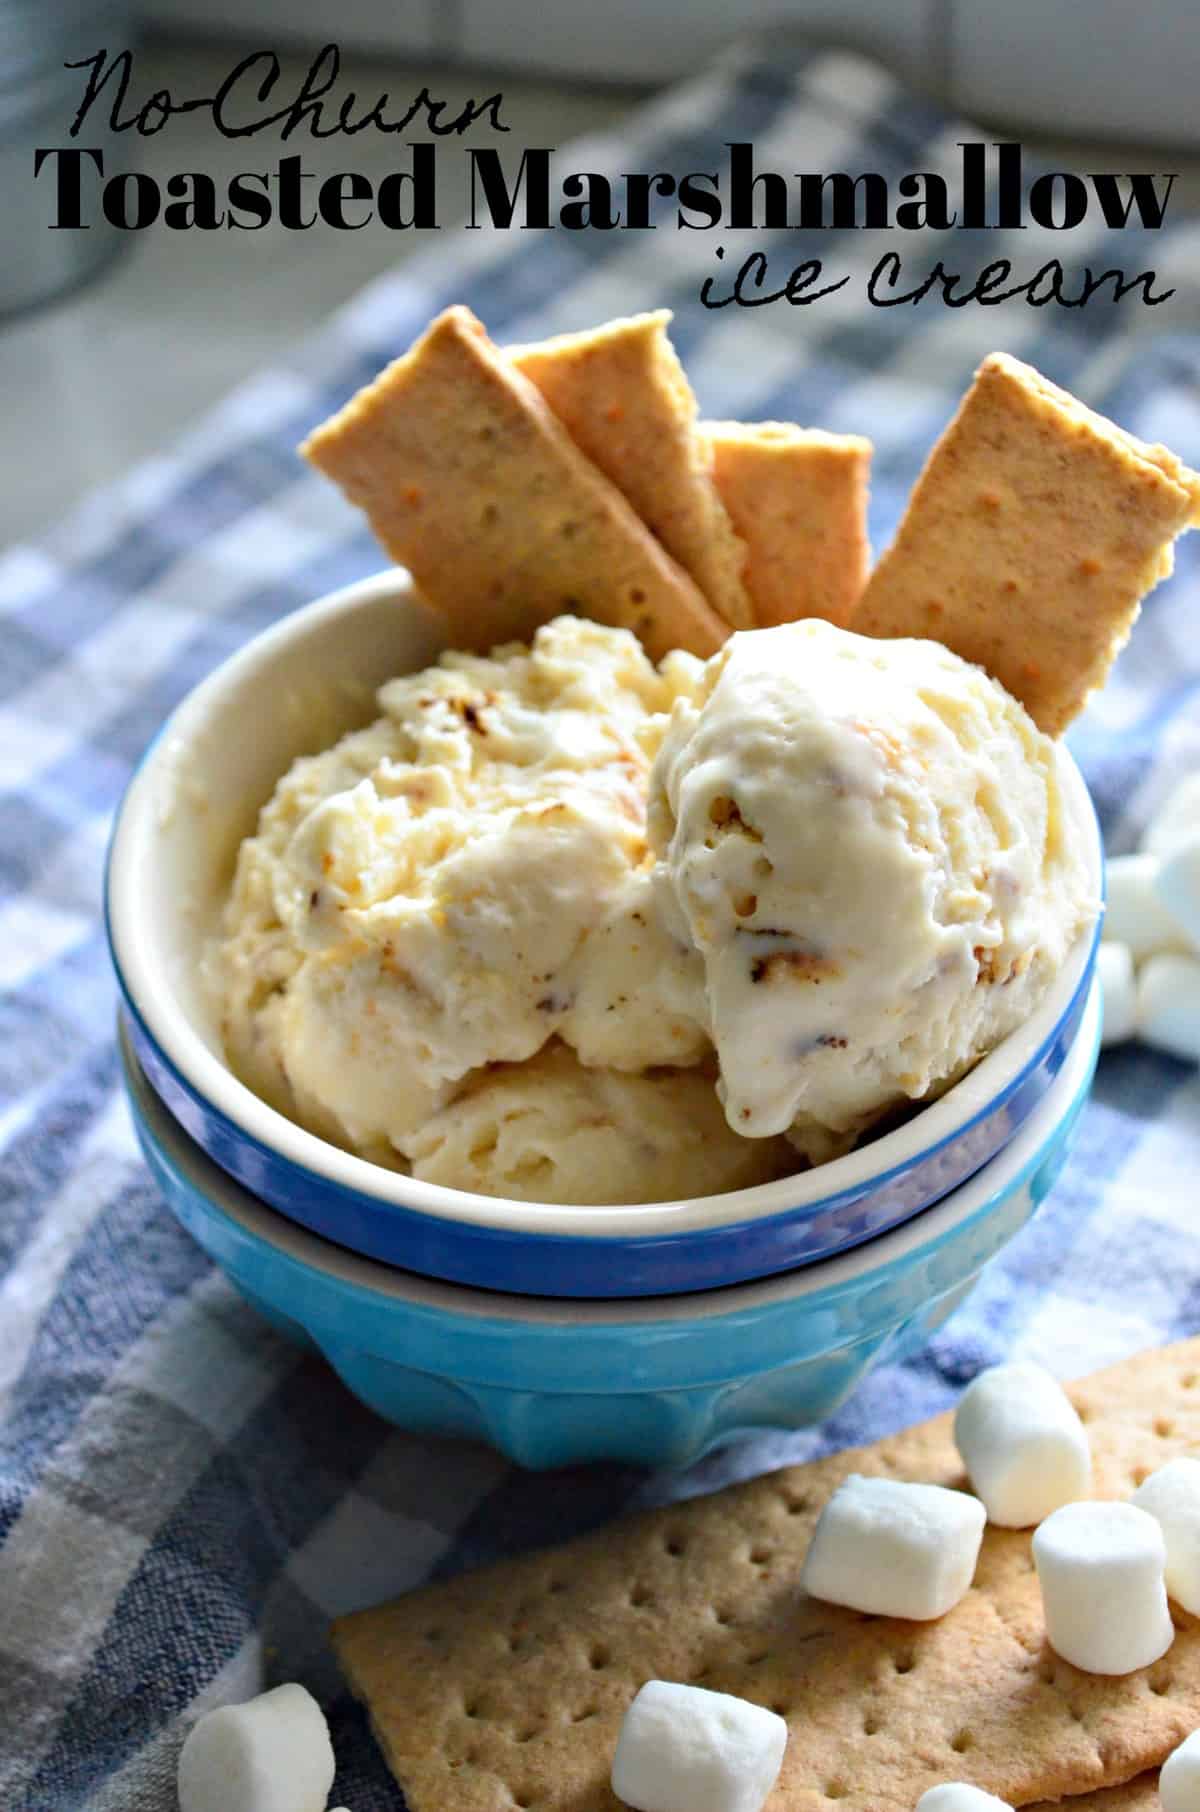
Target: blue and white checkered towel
{"x":184,"y":1500}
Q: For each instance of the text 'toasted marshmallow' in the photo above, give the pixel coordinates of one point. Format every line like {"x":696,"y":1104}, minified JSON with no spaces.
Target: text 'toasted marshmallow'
{"x":896,"y":1549}
{"x":685,"y":1749}
{"x":1101,"y":1571}
{"x":1025,"y":1450}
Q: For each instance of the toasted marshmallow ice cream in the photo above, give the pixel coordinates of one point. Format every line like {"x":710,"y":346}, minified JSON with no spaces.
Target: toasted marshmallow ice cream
{"x":457,"y":884}
{"x":867,"y":843}
{"x":550,"y":1130}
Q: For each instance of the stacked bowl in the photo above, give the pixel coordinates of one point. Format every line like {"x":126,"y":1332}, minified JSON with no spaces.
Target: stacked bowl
{"x":646,"y":1332}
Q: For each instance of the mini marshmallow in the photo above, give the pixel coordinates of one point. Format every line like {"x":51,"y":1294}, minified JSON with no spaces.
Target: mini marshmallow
{"x":895,"y":1549}
{"x":958,"y":1796}
{"x":685,"y":1749}
{"x":272,"y":1754}
{"x":1177,"y":818}
{"x":1023,"y":1445}
{"x":1133,"y":912}
{"x":1168,"y":1005}
{"x":1172,"y":1497}
{"x":1178,"y":885}
{"x":1179,"y":1777}
{"x":1118,"y":988}
{"x":1101,"y":1573}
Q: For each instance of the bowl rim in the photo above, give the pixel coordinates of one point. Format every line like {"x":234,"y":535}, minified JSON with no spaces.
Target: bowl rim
{"x":842,"y":1181}
{"x":818,"y":1285}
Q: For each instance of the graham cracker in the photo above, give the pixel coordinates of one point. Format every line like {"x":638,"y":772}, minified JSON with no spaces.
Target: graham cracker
{"x":798,"y":499}
{"x":470,"y":481}
{"x":1140,"y":1795}
{"x":507,"y":1686}
{"x":1030,"y":539}
{"x":623,"y":397}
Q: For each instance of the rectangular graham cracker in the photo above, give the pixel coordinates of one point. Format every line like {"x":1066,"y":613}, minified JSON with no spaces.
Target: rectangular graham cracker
{"x":507,"y":1686}
{"x":1030,"y":539}
{"x":798,"y":499}
{"x":623,"y":397}
{"x":470,"y":481}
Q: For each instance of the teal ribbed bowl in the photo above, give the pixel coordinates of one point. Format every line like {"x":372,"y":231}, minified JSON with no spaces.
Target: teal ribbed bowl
{"x":652,"y":1380}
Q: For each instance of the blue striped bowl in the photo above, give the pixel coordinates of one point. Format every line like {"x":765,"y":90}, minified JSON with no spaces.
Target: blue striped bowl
{"x":197,"y":794}
{"x":655,"y":1381}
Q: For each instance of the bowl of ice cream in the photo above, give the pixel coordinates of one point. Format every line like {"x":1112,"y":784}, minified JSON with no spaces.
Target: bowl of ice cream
{"x":568,"y":1136}
{"x":656,"y":1380}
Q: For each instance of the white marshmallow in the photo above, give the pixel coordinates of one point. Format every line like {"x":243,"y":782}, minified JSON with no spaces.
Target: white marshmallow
{"x":1133,"y":912}
{"x":1118,"y":988}
{"x":685,"y":1749}
{"x":1101,"y":1573}
{"x":1172,"y":1497}
{"x":1168,"y":1005}
{"x":958,"y":1796}
{"x":1179,"y":1777}
{"x":895,"y":1549}
{"x":272,"y":1754}
{"x":1023,"y":1445}
{"x":1178,"y":886}
{"x":1177,"y":818}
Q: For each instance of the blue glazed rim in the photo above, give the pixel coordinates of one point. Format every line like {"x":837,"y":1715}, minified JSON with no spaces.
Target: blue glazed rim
{"x":556,"y":1346}
{"x":588,"y":1265}
{"x":456,"y":1243}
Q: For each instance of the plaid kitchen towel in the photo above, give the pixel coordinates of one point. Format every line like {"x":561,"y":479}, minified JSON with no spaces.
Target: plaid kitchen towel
{"x":184,"y":1500}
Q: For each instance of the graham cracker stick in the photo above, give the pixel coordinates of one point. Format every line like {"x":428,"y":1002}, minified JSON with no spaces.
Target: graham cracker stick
{"x":509,"y":1685}
{"x":1032,"y":535}
{"x":623,"y":397}
{"x":469,"y":480}
{"x":798,"y":499}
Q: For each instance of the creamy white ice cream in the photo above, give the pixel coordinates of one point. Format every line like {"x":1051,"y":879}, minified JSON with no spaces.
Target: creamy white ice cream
{"x":456,"y":884}
{"x":549,"y":1130}
{"x":866,"y":842}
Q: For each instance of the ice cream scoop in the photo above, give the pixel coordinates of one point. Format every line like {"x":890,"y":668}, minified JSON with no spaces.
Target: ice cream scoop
{"x":457,"y":884}
{"x":867,"y":843}
{"x":551,"y":1130}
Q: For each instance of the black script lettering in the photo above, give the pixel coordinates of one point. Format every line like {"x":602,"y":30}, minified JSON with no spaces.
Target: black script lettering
{"x":753,"y":275}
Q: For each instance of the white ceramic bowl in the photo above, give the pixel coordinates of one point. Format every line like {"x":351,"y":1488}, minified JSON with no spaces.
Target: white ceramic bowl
{"x":197,"y":794}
